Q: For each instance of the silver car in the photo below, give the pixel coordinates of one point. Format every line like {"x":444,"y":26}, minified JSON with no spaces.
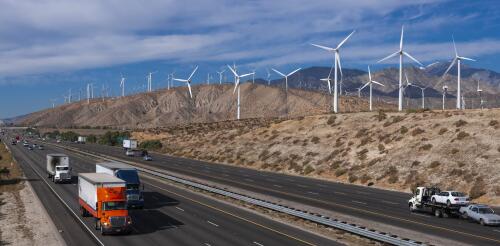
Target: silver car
{"x":480,"y":213}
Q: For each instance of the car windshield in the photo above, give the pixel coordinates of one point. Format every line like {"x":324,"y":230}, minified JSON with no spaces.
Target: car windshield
{"x":113,"y":205}
{"x":486,"y":211}
{"x":457,"y":194}
{"x":130,"y":176}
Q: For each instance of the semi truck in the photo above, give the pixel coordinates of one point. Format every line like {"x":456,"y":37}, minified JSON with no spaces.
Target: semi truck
{"x":58,"y":169}
{"x":129,"y":174}
{"x":129,"y":144}
{"x":102,"y":196}
{"x":81,"y":139}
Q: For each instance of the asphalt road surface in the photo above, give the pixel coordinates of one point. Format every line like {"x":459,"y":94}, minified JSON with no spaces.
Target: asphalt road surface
{"x":380,"y":206}
{"x":171,"y":216}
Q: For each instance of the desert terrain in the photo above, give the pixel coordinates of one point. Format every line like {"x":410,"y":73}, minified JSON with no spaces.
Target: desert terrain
{"x":450,"y":149}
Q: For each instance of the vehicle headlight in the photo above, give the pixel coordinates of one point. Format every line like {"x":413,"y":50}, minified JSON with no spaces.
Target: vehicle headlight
{"x":129,"y":220}
{"x":105,"y":223}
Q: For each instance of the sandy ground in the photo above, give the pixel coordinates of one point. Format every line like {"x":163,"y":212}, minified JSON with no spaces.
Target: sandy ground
{"x":23,"y":219}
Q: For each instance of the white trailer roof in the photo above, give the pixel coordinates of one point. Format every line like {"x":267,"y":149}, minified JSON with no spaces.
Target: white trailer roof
{"x":100,"y":178}
{"x":57,"y":155}
{"x":115,"y":165}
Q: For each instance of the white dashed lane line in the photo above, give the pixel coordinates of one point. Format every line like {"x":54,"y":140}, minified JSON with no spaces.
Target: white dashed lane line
{"x":180,"y":209}
{"x":340,"y":193}
{"x":313,"y":193}
{"x":394,"y":203}
{"x":212,"y":223}
{"x":279,"y":186}
{"x":258,"y":244}
{"x":364,"y":203}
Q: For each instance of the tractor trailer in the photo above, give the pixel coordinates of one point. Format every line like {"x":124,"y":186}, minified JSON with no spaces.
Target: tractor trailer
{"x":129,"y":174}
{"x":102,"y":196}
{"x":58,"y":169}
{"x":129,"y":144}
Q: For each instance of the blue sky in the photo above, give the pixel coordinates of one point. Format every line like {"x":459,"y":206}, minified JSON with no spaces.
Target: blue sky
{"x":50,"y":46}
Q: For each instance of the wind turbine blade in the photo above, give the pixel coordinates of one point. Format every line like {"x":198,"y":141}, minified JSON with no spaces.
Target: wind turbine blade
{"x":447,"y":70}
{"x":378,"y":83}
{"x":189,"y":87}
{"x":232,"y":70}
{"x":411,"y":57}
{"x":389,"y":56}
{"x":244,"y":75}
{"x":407,"y":81}
{"x":454,"y":45}
{"x":278,"y":72}
{"x":236,"y":85}
{"x":290,"y":74}
{"x":323,"y":47}
{"x":345,"y":39}
{"x":182,"y":80}
{"x":369,"y":74}
{"x":401,"y":41}
{"x":465,"y":58}
{"x":325,"y":79}
{"x":329,"y":86}
{"x":364,"y":86}
{"x":192,"y":73}
{"x":340,"y":66}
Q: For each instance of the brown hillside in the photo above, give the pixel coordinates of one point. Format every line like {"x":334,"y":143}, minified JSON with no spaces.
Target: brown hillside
{"x":210,"y":103}
{"x":451,"y":149}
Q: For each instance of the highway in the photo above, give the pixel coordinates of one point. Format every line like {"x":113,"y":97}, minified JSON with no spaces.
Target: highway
{"x":171,"y":216}
{"x":379,"y":206}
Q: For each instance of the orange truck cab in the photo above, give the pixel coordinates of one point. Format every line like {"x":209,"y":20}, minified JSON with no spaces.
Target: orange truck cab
{"x":103,"y":197}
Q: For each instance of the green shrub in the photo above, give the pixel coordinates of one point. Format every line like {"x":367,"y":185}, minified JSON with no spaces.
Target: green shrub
{"x":331,"y":120}
{"x":426,"y":147}
{"x":308,"y":169}
{"x":434,"y":164}
{"x":69,"y":136}
{"x":417,"y":131}
{"x":442,"y":131}
{"x":460,"y":123}
{"x":403,"y":130}
{"x":461,"y":135}
{"x":151,"y":145}
{"x":113,"y":138}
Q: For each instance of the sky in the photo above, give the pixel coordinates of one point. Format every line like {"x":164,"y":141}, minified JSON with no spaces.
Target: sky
{"x":50,"y":46}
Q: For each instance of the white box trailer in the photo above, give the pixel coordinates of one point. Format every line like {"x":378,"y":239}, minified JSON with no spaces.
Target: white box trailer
{"x":130,"y":175}
{"x":82,"y":139}
{"x":130,"y":144}
{"x":58,"y":168}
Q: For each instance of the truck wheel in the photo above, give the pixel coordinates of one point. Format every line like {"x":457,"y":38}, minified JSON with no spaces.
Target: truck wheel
{"x":448,"y":203}
{"x":82,"y":211}
{"x":465,"y":216}
{"x":98,"y":224}
{"x":438,"y":213}
{"x":481,"y":221}
{"x":411,"y":207}
{"x":433,"y":200}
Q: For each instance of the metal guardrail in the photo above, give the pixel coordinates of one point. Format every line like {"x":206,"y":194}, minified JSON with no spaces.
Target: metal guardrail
{"x":317,"y":218}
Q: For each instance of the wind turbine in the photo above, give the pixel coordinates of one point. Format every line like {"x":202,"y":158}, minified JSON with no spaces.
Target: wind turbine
{"x":336,"y":61}
{"x":122,"y":85}
{"x":220,"y":75}
{"x":369,"y":83}
{"x":329,"y":81}
{"x":208,"y":78}
{"x":253,"y":76}
{"x":188,"y":81}
{"x":268,"y":76}
{"x":480,"y":92}
{"x":150,"y":81}
{"x":401,"y":53}
{"x":237,"y":86}
{"x":422,"y":89}
{"x":458,"y":59}
{"x":445,"y":89}
{"x":53,"y":102}
{"x":286,"y":76}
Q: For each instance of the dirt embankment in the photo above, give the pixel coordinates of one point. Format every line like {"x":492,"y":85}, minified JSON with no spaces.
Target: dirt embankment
{"x":23,"y":219}
{"x":453,"y":149}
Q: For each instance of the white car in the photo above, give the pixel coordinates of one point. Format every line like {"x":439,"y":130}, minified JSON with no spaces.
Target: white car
{"x":451,"y":198}
{"x":480,"y":213}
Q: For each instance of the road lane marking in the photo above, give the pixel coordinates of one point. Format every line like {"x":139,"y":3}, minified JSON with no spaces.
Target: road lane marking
{"x":364,"y":203}
{"x":212,"y":223}
{"x":314,"y":193}
{"x":338,"y":192}
{"x":279,"y":186}
{"x":394,"y":203}
{"x":207,"y":244}
{"x":249,"y":180}
{"x":362,"y":210}
{"x":258,"y":244}
{"x":497,"y":230}
{"x":180,"y":209}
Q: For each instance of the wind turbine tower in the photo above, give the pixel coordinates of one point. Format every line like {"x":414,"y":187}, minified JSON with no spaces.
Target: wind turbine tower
{"x":122,"y":85}
{"x":337,"y":66}
{"x":401,"y":53}
{"x":220,"y":75}
{"x":458,"y":59}
{"x":370,"y":83}
{"x":237,"y":87}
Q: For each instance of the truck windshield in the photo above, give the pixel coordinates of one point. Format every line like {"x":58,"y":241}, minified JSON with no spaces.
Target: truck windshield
{"x":62,"y":168}
{"x":113,"y":206}
{"x":486,"y":211}
{"x":130,"y":176}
